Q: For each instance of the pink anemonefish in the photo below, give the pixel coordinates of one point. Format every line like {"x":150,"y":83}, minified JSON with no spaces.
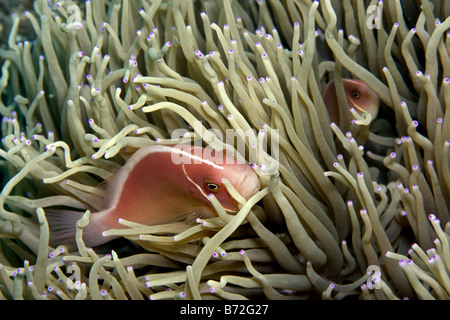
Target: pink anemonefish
{"x":158,"y":185}
{"x":359,"y":96}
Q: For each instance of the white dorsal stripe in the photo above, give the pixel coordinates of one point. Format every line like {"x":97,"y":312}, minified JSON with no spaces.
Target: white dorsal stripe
{"x":196,"y":158}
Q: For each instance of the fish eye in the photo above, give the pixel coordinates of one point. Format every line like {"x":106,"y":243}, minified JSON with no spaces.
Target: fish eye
{"x":356,"y":94}
{"x":212,"y":186}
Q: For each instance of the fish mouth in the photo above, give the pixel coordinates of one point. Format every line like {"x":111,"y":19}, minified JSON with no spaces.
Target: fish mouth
{"x":250,"y":193}
{"x":247,"y":197}
{"x":231,"y":210}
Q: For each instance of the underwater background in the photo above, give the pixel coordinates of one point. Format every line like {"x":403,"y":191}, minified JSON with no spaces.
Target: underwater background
{"x":357,"y":209}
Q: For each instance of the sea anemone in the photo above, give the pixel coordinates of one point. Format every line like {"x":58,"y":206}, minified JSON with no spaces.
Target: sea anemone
{"x":356,"y":209}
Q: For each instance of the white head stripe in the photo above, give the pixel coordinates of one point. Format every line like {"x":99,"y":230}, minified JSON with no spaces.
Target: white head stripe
{"x":193,"y":182}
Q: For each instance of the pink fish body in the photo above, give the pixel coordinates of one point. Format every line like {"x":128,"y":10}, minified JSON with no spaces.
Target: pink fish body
{"x":359,"y":96}
{"x":157,"y":185}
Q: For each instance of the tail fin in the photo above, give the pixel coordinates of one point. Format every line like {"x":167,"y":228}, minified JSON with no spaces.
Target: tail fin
{"x":63,"y":228}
